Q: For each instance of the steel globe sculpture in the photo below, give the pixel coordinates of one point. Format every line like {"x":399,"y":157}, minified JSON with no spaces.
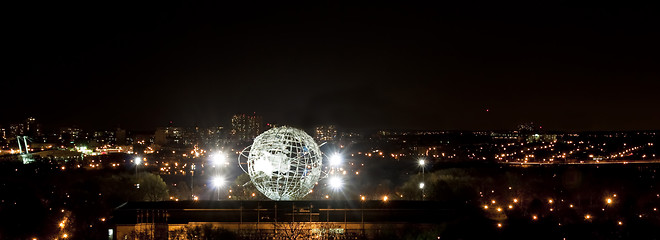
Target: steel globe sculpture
{"x":284,"y":163}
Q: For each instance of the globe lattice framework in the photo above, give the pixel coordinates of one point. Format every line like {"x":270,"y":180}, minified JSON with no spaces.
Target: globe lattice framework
{"x":284,"y":163}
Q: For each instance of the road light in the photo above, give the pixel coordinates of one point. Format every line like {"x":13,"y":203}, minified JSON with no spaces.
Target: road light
{"x":421,"y":185}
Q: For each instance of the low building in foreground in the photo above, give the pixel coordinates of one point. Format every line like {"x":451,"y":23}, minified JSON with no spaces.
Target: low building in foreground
{"x":323,"y":219}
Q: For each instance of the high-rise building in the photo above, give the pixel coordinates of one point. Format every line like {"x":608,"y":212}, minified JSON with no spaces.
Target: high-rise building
{"x":28,"y":128}
{"x":120,"y":136}
{"x":70,"y":134}
{"x":17,"y":129}
{"x":246,"y":127}
{"x":325,"y":133}
{"x":32,"y":127}
{"x":168,"y":135}
{"x":3,"y":133}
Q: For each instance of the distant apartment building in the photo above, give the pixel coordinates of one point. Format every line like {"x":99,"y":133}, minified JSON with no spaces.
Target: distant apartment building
{"x":104,"y":137}
{"x":120,"y":135}
{"x":246,"y":127}
{"x":17,"y":129}
{"x":30,"y":127}
{"x":325,"y":133}
{"x":70,"y":134}
{"x":168,"y":135}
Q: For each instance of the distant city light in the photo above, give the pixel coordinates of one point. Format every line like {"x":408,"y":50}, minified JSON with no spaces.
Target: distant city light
{"x":138,"y":160}
{"x":422,"y":162}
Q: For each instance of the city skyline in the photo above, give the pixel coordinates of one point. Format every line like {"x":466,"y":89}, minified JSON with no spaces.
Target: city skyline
{"x":328,"y":120}
{"x":437,"y":66}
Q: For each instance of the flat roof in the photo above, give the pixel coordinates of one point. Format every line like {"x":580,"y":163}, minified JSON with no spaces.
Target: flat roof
{"x":182,"y":212}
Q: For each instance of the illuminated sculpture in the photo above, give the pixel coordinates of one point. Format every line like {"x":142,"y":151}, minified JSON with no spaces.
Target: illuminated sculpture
{"x":284,"y":163}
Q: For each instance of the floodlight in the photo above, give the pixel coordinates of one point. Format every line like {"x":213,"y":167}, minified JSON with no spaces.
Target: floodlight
{"x":218,"y":159}
{"x":335,"y":183}
{"x":218,"y":181}
{"x":335,"y":160}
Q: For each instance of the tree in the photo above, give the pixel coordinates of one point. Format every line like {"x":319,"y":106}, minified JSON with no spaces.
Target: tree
{"x":205,"y":232}
{"x":292,"y":230}
{"x":243,"y":189}
{"x":153,"y":187}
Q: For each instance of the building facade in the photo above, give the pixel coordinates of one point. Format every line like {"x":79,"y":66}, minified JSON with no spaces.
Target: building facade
{"x":324,"y":219}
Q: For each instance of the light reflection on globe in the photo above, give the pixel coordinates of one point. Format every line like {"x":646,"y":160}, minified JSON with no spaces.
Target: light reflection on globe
{"x":284,"y":163}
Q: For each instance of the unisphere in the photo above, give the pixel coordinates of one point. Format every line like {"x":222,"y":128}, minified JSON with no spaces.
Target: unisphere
{"x":284,"y":163}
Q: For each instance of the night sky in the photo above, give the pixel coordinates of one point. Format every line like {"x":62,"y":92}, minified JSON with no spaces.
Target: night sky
{"x":450,"y":66}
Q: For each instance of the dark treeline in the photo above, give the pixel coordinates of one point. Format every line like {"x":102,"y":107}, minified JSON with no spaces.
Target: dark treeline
{"x":553,"y":201}
{"x":39,"y":201}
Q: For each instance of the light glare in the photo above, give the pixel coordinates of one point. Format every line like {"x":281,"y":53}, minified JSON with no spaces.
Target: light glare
{"x":218,"y":159}
{"x":335,"y":160}
{"x":335,"y":183}
{"x":218,"y":182}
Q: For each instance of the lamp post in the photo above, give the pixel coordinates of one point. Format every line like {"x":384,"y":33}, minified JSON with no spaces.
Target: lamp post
{"x":217,"y":183}
{"x":422,"y":163}
{"x":217,"y":160}
{"x":137,"y":161}
{"x":192,"y":180}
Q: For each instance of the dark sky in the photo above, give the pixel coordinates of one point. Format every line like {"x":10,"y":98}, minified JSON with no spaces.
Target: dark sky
{"x":564,"y":65}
